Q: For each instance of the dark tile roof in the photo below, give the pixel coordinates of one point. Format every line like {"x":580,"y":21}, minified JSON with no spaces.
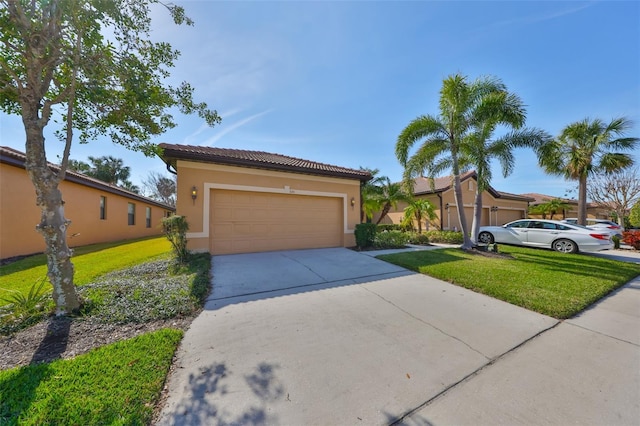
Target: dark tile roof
{"x":423,"y":185}
{"x":17,"y":158}
{"x":257,"y":159}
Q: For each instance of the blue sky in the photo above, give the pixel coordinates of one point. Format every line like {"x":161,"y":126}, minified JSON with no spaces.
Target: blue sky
{"x":336,"y":82}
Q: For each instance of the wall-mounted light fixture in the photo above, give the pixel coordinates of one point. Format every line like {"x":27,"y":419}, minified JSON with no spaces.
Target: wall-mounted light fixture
{"x":446,"y":206}
{"x":353,"y":202}
{"x":194,"y":194}
{"x":494,"y":208}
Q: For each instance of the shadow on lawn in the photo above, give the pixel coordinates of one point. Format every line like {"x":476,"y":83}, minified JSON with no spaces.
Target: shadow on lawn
{"x":212,"y":399}
{"x":24,"y":381}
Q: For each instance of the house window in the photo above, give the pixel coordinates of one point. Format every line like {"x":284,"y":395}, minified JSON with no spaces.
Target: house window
{"x":148,"y":217}
{"x":103,"y":208}
{"x":132,"y":214}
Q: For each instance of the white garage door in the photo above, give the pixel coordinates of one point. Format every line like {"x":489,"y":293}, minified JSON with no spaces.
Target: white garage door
{"x":244,"y":222}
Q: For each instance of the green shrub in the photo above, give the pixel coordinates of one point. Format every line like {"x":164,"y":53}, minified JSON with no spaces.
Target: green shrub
{"x":175,"y":229}
{"x":389,"y":227}
{"x":616,"y":242}
{"x":447,"y":237}
{"x":418,"y":238}
{"x":365,"y":234}
{"x":391,"y":239}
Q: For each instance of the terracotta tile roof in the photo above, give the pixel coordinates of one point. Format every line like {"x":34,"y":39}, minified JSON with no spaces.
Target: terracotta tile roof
{"x":423,"y":185}
{"x":17,"y":158}
{"x":257,"y":159}
{"x":542,"y":198}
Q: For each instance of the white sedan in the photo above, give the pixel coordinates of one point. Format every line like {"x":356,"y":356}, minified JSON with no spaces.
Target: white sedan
{"x":553,"y":234}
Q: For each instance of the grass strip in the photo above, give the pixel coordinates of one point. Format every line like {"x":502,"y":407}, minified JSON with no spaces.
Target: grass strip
{"x":117,"y":384}
{"x":555,"y":284}
{"x":90,"y":262}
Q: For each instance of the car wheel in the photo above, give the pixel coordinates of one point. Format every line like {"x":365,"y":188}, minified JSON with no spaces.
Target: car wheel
{"x":565,"y":246}
{"x":485,"y":238}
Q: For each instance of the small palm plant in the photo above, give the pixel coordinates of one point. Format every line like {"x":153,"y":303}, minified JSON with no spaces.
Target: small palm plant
{"x":20,"y":310}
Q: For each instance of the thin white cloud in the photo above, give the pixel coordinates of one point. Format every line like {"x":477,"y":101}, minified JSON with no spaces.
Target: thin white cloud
{"x":543,"y":17}
{"x":211,"y":141}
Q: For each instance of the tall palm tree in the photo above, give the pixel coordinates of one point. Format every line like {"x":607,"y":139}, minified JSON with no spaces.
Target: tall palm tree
{"x":463,"y":108}
{"x":497,"y":109}
{"x":587,"y":147}
{"x":418,"y":210}
{"x":391,"y":194}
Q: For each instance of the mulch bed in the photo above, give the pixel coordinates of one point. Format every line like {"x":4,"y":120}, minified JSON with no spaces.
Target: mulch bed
{"x":63,"y":337}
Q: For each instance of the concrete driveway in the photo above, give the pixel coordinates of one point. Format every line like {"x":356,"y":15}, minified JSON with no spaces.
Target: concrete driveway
{"x":333,"y":337}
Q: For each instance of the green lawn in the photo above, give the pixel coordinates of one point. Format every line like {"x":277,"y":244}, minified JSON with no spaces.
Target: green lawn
{"x":90,"y":262}
{"x":555,"y":284}
{"x":118,"y":384}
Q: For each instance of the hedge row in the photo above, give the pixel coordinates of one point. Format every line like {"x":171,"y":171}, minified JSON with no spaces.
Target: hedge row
{"x":395,"y":236}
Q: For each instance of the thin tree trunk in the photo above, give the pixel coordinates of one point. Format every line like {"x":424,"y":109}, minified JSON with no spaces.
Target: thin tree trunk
{"x":477,"y":216}
{"x":582,"y":200}
{"x":462,"y":219}
{"x":384,"y":212}
{"x":53,"y":225}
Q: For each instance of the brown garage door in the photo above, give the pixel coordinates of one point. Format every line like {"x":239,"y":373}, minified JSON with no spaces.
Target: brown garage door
{"x":244,"y":222}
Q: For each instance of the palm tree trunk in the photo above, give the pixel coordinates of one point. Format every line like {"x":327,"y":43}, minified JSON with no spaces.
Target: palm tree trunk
{"x":477,"y":217}
{"x":384,"y":212}
{"x":457,"y":190}
{"x":53,"y":225}
{"x":582,"y":200}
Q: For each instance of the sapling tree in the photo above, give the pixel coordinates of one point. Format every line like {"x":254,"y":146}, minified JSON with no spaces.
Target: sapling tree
{"x":90,"y":69}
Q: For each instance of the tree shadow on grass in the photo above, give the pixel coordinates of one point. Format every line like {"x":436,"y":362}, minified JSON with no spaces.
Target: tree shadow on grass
{"x":203,"y":402}
{"x":18,"y":391}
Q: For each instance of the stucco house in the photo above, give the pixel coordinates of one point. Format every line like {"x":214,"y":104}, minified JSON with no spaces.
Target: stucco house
{"x":498,"y":207}
{"x":594,"y":210}
{"x":239,"y":201}
{"x":98,"y":212}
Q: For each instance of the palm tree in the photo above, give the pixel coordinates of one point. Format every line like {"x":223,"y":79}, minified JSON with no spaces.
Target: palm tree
{"x":418,"y":209}
{"x":390,"y":195}
{"x":587,"y":147}
{"x":467,"y":115}
{"x":498,"y":108}
{"x":371,"y":194}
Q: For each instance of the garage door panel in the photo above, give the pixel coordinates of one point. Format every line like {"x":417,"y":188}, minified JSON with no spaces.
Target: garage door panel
{"x":244,"y":222}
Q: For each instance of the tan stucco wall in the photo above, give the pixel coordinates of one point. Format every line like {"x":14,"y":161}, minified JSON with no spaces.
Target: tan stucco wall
{"x":19,"y":215}
{"x":206,"y":177}
{"x":508,"y":210}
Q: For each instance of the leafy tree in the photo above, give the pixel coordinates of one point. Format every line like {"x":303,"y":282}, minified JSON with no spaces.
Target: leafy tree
{"x":457,"y":137}
{"x":617,"y":191}
{"x":78,"y":166}
{"x":418,"y":209}
{"x":161,"y":188}
{"x":585,"y":148}
{"x":92,"y":68}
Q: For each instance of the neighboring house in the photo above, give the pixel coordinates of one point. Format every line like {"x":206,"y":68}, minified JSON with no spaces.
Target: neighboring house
{"x":238,"y":201}
{"x":98,"y":212}
{"x":594,"y":210}
{"x":498,"y":207}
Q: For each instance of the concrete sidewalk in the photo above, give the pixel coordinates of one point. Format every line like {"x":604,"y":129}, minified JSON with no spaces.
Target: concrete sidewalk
{"x":332,"y":337}
{"x":584,"y":371}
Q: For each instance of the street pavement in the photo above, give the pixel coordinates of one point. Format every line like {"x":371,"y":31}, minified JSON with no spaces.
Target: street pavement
{"x":334,"y":337}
